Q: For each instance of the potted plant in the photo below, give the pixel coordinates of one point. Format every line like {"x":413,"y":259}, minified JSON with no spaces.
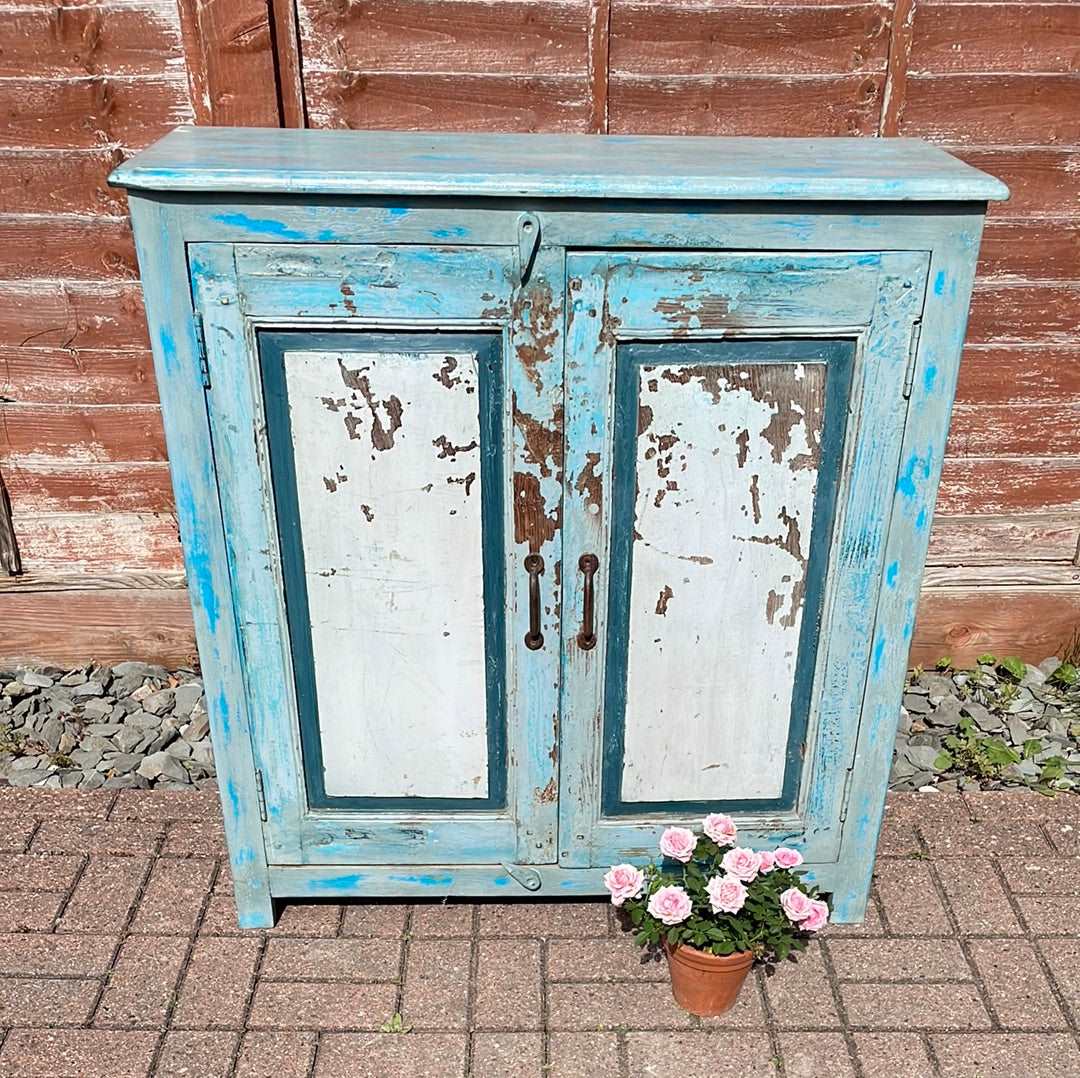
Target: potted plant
{"x":716,"y":908}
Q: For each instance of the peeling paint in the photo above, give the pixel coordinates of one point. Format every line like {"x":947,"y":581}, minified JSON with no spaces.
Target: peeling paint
{"x":666,"y":595}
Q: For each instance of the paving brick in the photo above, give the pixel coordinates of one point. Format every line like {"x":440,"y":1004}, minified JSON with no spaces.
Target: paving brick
{"x":215,"y":990}
{"x":871,"y":925}
{"x":602,"y":960}
{"x":700,"y":1055}
{"x":29,"y":911}
{"x":55,"y":804}
{"x":1064,"y":837}
{"x":380,"y":1055}
{"x":308,"y":919}
{"x":582,"y":1055}
{"x":1016,"y":985}
{"x":77,"y":1053}
{"x":976,"y":896}
{"x":1063,"y":958}
{"x":611,"y":1006}
{"x":143,"y":983}
{"x":437,"y":983}
{"x":381,"y":920}
{"x":893,"y":1055}
{"x":310,"y":1005}
{"x":190,"y":1053}
{"x":508,"y":985}
{"x":898,"y":960}
{"x":119,"y":838}
{"x":1048,"y":916}
{"x":507,"y":1055}
{"x":1008,"y":806}
{"x":105,"y":895}
{"x":195,"y":838}
{"x":978,"y":839}
{"x":276,"y":1055}
{"x":334,"y":960}
{"x":811,"y":1055}
{"x":33,"y":872}
{"x":219,"y":919}
{"x":29,"y":1001}
{"x":1006,"y":1055}
{"x":166,"y":805}
{"x":174,"y":896}
{"x":1042,"y":875}
{"x":910,"y":901}
{"x":442,"y":919}
{"x":55,"y":956}
{"x":799,"y":993}
{"x":570,"y":920}
{"x":914,"y":1006}
{"x":16,"y":835}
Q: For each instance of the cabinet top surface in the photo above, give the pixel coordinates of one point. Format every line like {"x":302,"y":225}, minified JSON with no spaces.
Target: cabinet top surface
{"x":240,"y":160}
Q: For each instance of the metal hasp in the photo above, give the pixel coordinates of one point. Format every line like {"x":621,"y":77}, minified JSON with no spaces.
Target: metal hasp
{"x":520,"y":451}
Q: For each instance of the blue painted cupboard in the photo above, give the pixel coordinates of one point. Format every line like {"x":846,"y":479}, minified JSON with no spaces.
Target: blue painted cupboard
{"x":537,"y":492}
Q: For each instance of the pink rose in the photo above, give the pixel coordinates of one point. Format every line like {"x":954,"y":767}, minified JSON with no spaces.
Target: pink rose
{"x":786,"y":858}
{"x":797,"y":905}
{"x":817,"y":918}
{"x":670,"y":905}
{"x":766,"y":861}
{"x":678,"y":843}
{"x":726,"y":894}
{"x":741,"y":863}
{"x":624,"y":881}
{"x":720,"y":828}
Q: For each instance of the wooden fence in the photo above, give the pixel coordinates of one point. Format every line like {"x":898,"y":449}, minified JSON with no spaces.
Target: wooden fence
{"x":81,"y":85}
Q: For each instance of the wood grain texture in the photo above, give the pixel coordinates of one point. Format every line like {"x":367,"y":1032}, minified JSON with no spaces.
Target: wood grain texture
{"x":1039,"y":250}
{"x":425,"y":37}
{"x":989,"y":541}
{"x":76,"y":377}
{"x":895,"y":93}
{"x":1024,"y":313}
{"x":96,"y":433}
{"x":69,"y":247}
{"x":66,"y":486}
{"x":650,"y":37}
{"x":66,"y":628}
{"x":599,"y":61}
{"x":995,"y":37}
{"x":288,"y":61}
{"x":60,"y":181}
{"x":733,"y":105}
{"x":1015,"y":430}
{"x":1042,"y":181}
{"x":10,"y":558}
{"x":100,"y":543}
{"x":447,"y":102}
{"x":71,"y":314}
{"x":1019,"y":374}
{"x":963,"y":623}
{"x":998,"y":486}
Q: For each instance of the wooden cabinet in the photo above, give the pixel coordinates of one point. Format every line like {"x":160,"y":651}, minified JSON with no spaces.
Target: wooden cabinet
{"x":538,"y":492}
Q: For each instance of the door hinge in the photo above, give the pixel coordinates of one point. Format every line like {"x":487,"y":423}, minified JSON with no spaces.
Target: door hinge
{"x":912,"y":356}
{"x":260,"y":793}
{"x":200,"y":342}
{"x":846,"y":793}
{"x":528,"y":237}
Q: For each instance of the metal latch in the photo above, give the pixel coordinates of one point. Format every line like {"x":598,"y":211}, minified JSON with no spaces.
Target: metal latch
{"x":529,"y":878}
{"x":528,"y":236}
{"x":200,"y":343}
{"x":913,"y":354}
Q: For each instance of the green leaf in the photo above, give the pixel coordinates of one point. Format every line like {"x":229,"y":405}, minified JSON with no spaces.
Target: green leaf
{"x":1013,"y":666}
{"x":944,"y":663}
{"x":943,"y":761}
{"x":987,"y":659}
{"x":1066,"y":674}
{"x":1032,"y":748}
{"x":998,"y":753}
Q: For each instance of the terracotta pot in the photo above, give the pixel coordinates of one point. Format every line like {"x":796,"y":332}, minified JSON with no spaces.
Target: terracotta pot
{"x":706,"y":984}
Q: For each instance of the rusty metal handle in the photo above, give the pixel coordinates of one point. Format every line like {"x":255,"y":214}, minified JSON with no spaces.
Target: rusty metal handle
{"x":534,"y":566}
{"x":588,"y":564}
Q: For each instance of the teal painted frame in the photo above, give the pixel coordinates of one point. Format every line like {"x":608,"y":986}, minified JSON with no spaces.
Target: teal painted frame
{"x":185,"y":198}
{"x":271,"y":346}
{"x":838,"y":356}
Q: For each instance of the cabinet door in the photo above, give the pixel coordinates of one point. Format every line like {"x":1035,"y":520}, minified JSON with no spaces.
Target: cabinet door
{"x":366,"y":449}
{"x":734,"y":426}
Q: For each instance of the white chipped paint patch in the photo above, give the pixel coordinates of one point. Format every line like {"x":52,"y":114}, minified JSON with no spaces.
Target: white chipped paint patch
{"x":388,"y":483}
{"x":727,"y":467}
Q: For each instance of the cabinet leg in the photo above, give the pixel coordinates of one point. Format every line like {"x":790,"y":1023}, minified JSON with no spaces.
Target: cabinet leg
{"x":255,"y":907}
{"x":847,"y":904}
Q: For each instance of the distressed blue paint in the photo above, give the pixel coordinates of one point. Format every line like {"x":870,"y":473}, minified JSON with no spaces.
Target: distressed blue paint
{"x":260,"y":226}
{"x":920,"y":520}
{"x":916,"y":466}
{"x":425,"y":881}
{"x":168,"y":348}
{"x":891,"y":574}
{"x":939,"y":283}
{"x":929,"y":377}
{"x":449,"y":233}
{"x":879,"y":653}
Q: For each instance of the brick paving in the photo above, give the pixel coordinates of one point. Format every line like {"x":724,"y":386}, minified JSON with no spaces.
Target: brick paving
{"x":120,"y":958}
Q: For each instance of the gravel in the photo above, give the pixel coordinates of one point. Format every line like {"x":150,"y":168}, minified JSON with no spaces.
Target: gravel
{"x":1002,"y":723}
{"x":130,"y":726}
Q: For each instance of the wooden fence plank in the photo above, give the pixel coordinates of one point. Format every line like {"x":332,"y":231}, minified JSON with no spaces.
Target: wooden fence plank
{"x":1038,"y":430}
{"x":448,"y":102}
{"x":1024,"y":313}
{"x":895,"y":93}
{"x":1047,"y":250}
{"x":67,"y":628}
{"x":63,"y":314}
{"x":85,"y":113}
{"x":1020,"y":374}
{"x":70,"y":487}
{"x":10,"y":559}
{"x":99,"y":543}
{"x":963,"y":623}
{"x":101,"y":433}
{"x":68,"y":247}
{"x":653,"y":37}
{"x":599,"y":53}
{"x":1042,"y":181}
{"x":985,"y":37}
{"x":983,"y":540}
{"x":745,"y":105}
{"x":77,"y":40}
{"x":286,"y":35}
{"x":990,"y":110}
{"x":997,"y":486}
{"x":60,"y":181}
{"x":62,"y":376}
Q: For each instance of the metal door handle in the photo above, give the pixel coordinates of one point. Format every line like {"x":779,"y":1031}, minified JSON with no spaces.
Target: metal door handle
{"x":534,"y":566}
{"x":588,"y":564}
